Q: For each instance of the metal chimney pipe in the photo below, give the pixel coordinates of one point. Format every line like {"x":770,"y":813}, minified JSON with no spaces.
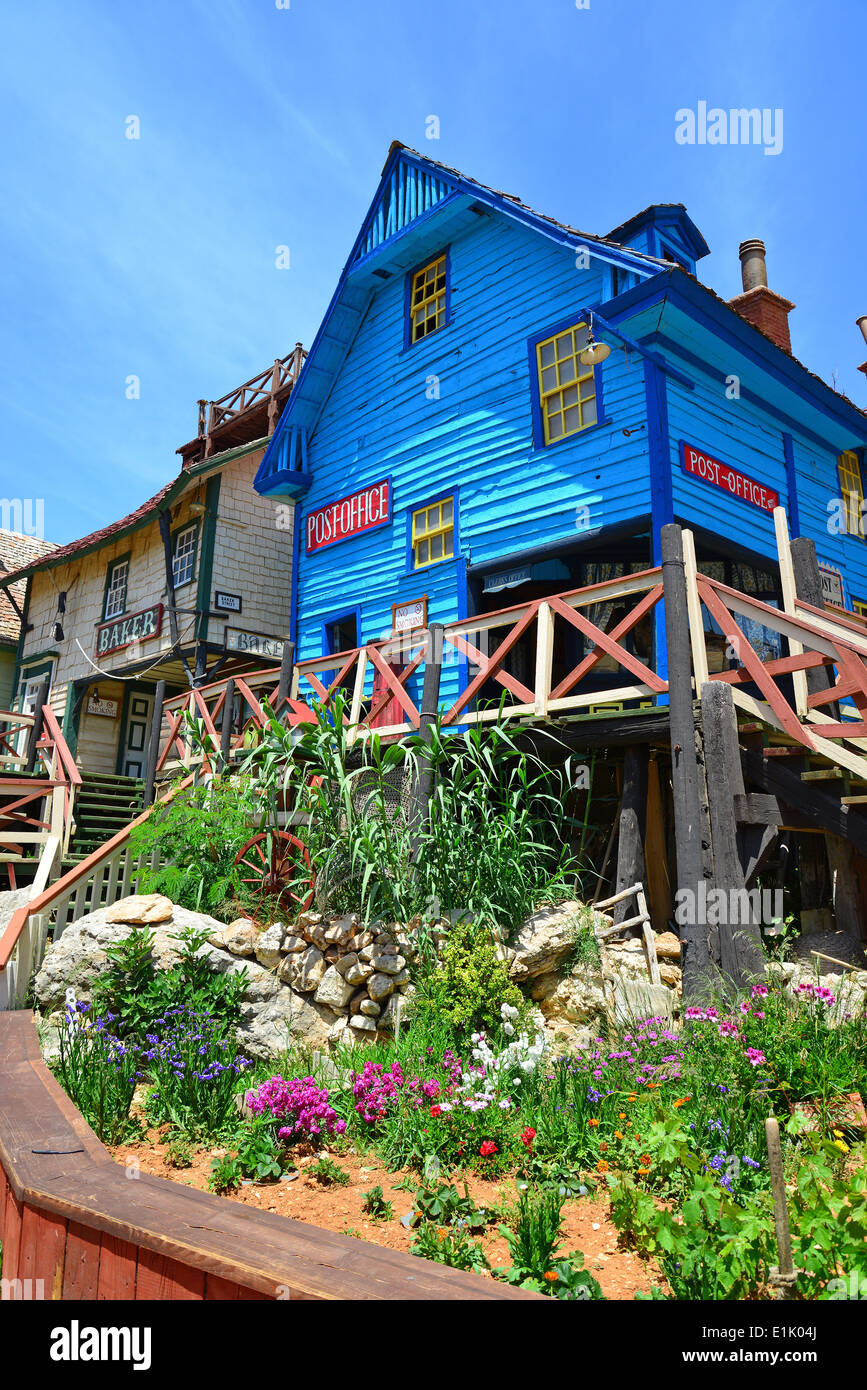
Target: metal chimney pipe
{"x":753,"y":269}
{"x":862,"y":324}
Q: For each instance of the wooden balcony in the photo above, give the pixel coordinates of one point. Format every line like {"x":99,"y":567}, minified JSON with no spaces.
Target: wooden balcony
{"x":248,"y":412}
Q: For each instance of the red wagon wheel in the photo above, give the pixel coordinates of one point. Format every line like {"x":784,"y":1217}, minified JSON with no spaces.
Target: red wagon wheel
{"x":278,"y":867}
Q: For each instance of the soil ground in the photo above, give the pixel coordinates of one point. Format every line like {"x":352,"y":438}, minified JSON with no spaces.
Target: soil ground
{"x":587,"y":1225}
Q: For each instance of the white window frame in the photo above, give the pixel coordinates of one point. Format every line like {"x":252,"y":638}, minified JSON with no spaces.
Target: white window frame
{"x":188,"y":554}
{"x":113,"y":590}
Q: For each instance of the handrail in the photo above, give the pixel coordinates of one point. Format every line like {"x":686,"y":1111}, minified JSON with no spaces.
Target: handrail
{"x":79,"y":872}
{"x":69,"y":766}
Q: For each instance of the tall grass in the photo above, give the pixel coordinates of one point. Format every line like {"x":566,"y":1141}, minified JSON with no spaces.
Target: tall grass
{"x":493,"y":844}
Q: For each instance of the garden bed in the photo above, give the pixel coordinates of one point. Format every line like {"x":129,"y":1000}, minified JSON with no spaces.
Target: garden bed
{"x":587,"y":1222}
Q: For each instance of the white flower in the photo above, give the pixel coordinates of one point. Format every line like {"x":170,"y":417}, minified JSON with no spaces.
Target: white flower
{"x":508,"y":1029}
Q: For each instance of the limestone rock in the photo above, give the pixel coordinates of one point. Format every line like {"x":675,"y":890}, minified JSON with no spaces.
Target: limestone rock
{"x":387,"y":964}
{"x":669,"y":974}
{"x":544,"y":939}
{"x":304,"y":971}
{"x":579,"y":998}
{"x":362,"y":1023}
{"x":369,"y":1007}
{"x":266,"y":1030}
{"x":668,"y":946}
{"x":345,"y":964}
{"x":240,"y":937}
{"x":140,"y":910}
{"x":631,"y":1000}
{"x":293,"y":944}
{"x":333,"y":990}
{"x":358,"y":973}
{"x":268,"y":947}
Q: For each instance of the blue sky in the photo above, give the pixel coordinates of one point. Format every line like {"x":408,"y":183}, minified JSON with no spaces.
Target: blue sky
{"x":262,"y":126}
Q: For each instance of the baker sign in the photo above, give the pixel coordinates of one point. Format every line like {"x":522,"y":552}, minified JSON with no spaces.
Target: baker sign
{"x":711,"y":470}
{"x":361,"y":511}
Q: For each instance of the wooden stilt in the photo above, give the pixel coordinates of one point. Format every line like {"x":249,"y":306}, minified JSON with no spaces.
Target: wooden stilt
{"x":684,"y":770}
{"x":633,"y":805}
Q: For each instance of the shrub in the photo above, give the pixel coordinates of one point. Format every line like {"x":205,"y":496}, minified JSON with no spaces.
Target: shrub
{"x":196,"y":836}
{"x":470,"y":984}
{"x":136,"y":993}
{"x":195,"y":1071}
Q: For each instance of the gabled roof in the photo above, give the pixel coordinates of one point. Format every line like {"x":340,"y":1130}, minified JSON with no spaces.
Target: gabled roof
{"x":670,"y":216}
{"x":434,"y":202}
{"x":133,"y":521}
{"x":16,"y":552}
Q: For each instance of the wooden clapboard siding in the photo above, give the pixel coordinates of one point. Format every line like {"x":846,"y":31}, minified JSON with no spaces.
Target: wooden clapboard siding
{"x":79,"y":1222}
{"x":507,"y":284}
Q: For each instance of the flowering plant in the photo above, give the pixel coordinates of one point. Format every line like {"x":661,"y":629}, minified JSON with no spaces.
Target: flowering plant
{"x":300,"y":1103}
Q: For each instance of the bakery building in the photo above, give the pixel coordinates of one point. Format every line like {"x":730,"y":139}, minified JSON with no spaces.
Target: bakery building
{"x":190,"y":585}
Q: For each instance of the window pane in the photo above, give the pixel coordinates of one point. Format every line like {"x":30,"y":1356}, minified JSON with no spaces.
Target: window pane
{"x":567,"y":370}
{"x":564,"y":345}
{"x":448,"y":510}
{"x":587,"y":388}
{"x":436,"y":547}
{"x":546,"y":354}
{"x":573,"y":419}
{"x":555,"y":426}
{"x":570,"y":395}
{"x":590,"y":412}
{"x":549,"y":379}
{"x":422,"y":552}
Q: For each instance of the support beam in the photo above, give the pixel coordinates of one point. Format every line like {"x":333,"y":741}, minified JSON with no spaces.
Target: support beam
{"x":36,"y":727}
{"x":428,"y":710}
{"x":154,"y":743}
{"x":633,"y":805}
{"x":226,"y":727}
{"x":741,"y":957}
{"x":684,"y":770}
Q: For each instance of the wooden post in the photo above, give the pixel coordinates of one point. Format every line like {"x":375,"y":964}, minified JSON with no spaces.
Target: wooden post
{"x":633,"y":805}
{"x":154,"y":743}
{"x":783,"y":1275}
{"x":36,"y":727}
{"x":741,"y":956}
{"x":850,"y":909}
{"x":808,"y":587}
{"x":427,"y":718}
{"x":226,"y":726}
{"x":287,"y":664}
{"x":684,"y":768}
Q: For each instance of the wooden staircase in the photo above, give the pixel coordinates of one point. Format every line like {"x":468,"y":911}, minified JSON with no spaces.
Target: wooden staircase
{"x":104,"y":805}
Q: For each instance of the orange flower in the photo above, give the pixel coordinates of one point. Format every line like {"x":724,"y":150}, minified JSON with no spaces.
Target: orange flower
{"x":593,"y":1123}
{"x":645,"y":1158}
{"x":603,"y":1148}
{"x":682,"y":1101}
{"x":602,"y":1166}
{"x":618,"y":1134}
{"x":442,"y":1232}
{"x":551,"y":1275}
{"x":643,"y":1171}
{"x":622,"y":1116}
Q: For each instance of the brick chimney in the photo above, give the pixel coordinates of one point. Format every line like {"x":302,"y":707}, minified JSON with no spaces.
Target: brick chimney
{"x":862,"y":324}
{"x":763,"y":308}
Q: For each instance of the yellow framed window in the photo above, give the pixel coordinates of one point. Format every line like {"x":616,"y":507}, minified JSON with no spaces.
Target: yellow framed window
{"x":427,"y":300}
{"x":851,"y":490}
{"x":433,"y":533}
{"x":567,"y":389}
{"x":860,"y":607}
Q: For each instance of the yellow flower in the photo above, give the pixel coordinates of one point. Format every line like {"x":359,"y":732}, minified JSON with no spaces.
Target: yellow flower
{"x":844,"y":1148}
{"x":837,"y":1133}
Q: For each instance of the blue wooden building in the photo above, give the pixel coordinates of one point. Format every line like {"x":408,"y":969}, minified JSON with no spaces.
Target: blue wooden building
{"x":449,"y":445}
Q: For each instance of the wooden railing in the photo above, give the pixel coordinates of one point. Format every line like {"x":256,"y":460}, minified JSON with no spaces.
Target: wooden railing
{"x":73,"y":1225}
{"x":259,"y":389}
{"x":38,"y":804}
{"x":105,"y":876}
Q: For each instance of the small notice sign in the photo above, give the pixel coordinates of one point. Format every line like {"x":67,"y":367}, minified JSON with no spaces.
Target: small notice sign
{"x":254,"y":642}
{"x":406,"y":617}
{"x":832,"y":585}
{"x":106,"y":709}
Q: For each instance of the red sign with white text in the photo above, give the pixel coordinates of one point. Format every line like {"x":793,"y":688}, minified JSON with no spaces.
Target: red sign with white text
{"x":711,"y":470}
{"x":350,"y":516}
